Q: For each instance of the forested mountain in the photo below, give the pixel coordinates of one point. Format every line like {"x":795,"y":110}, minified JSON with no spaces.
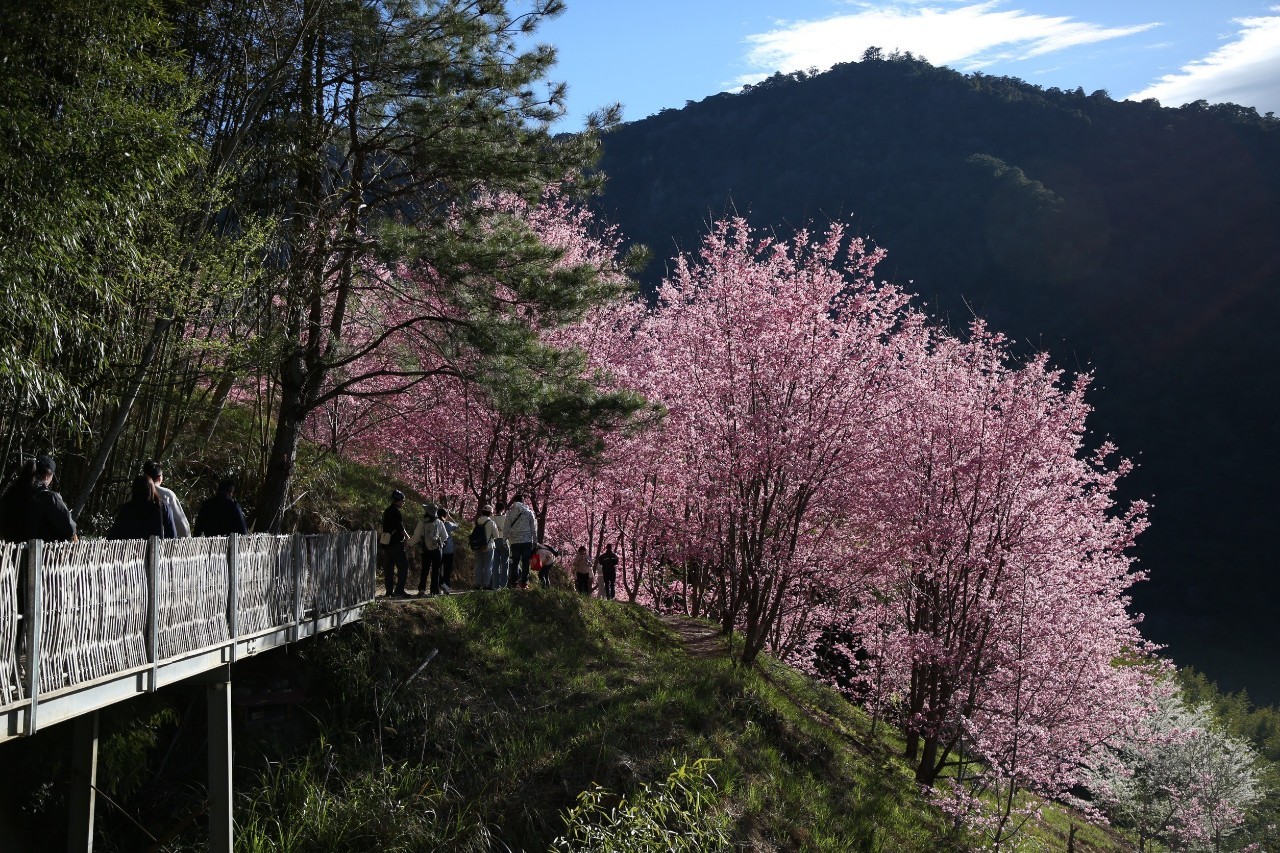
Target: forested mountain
{"x":1127,"y":239}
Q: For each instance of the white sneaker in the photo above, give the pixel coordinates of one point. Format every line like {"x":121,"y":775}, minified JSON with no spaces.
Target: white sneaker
{"x":446,"y":588}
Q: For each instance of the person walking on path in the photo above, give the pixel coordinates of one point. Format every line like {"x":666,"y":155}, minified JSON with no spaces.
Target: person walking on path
{"x":155,"y":472}
{"x":397,"y":565}
{"x":32,"y":510}
{"x":522,"y":532}
{"x":582,"y":571}
{"x":221,"y":514}
{"x":143,"y":515}
{"x":431,"y":533}
{"x":447,"y":552}
{"x":608,"y":563}
{"x":483,"y":536}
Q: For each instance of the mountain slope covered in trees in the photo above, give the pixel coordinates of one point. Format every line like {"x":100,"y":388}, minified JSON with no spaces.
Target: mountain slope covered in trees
{"x":1127,"y":239}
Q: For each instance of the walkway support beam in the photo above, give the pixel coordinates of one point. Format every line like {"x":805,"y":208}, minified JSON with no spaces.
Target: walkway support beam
{"x":84,"y":782}
{"x":221,"y":836}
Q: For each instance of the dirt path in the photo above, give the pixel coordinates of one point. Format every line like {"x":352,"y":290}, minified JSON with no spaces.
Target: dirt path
{"x":700,"y":640}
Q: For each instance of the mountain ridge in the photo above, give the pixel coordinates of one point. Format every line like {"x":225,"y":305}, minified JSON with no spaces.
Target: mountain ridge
{"x":1127,"y":239}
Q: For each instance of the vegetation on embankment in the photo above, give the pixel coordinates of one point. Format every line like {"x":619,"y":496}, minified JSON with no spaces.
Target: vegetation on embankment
{"x":532,"y":698}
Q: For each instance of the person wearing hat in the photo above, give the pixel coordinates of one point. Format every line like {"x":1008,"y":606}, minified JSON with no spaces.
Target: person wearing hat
{"x":32,"y":510}
{"x":397,"y":565}
{"x":483,"y":537}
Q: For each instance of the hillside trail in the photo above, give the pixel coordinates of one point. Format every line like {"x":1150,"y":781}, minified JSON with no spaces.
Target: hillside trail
{"x":700,"y":639}
{"x":705,"y":641}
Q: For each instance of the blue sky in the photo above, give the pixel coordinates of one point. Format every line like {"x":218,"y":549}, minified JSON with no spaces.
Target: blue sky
{"x":652,"y":54}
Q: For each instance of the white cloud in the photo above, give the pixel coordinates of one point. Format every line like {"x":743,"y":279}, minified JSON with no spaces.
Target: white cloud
{"x":969,"y":36}
{"x":1246,"y":71}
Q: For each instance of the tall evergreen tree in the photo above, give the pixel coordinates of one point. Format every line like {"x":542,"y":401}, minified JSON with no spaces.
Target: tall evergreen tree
{"x":380,"y":129}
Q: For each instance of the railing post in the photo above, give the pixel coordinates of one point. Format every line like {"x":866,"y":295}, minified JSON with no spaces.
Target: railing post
{"x":342,"y":549}
{"x":299,"y":549}
{"x":233,"y":591}
{"x":153,"y":612}
{"x":35,"y":620}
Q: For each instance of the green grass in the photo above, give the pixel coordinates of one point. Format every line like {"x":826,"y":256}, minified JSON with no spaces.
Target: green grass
{"x":533,"y":698}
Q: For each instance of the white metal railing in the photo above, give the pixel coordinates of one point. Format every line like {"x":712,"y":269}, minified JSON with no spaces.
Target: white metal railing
{"x":101,"y":608}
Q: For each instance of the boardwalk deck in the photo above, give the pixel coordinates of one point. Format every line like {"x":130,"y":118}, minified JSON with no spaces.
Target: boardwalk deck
{"x":105,"y":621}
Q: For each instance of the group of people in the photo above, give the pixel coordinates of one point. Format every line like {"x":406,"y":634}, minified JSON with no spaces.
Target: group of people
{"x":504,"y":542}
{"x":31,"y":509}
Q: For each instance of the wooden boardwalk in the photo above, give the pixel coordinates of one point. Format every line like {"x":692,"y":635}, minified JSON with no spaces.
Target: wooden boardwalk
{"x":106,"y":620}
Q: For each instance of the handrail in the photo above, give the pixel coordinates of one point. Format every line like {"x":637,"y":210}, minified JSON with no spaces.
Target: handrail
{"x":99,"y":608}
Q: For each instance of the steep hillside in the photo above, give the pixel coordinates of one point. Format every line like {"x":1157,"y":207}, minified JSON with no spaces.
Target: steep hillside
{"x":476,"y":722}
{"x":1131,"y":240}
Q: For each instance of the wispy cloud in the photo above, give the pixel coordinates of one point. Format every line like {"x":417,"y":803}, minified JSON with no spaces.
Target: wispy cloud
{"x":1244,"y":71}
{"x":968,"y":36}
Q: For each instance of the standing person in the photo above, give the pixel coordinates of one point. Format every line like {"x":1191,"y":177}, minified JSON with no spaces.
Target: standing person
{"x":608,"y":563}
{"x":545,"y":558}
{"x":155,"y":472}
{"x":431,"y":533}
{"x":446,"y":553}
{"x":582,"y":571}
{"x":481,"y":542}
{"x":32,"y":510}
{"x":142,"y":516}
{"x":501,"y":550}
{"x":397,"y":565}
{"x":522,"y":532}
{"x":221,"y":514}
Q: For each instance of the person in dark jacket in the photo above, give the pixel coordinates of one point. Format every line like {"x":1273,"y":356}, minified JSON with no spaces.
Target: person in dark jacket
{"x":29,"y":509}
{"x":221,"y":514}
{"x":397,"y":565}
{"x":143,"y":515}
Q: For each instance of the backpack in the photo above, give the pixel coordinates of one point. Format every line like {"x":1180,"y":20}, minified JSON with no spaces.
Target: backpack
{"x":479,"y":540}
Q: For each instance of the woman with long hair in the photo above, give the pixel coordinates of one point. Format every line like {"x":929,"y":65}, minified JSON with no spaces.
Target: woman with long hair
{"x":144,"y":515}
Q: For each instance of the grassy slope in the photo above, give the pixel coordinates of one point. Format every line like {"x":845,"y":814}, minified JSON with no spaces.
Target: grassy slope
{"x":535,"y":696}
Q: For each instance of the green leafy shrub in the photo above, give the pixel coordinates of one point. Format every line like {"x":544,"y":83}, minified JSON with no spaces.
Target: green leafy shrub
{"x":681,"y":814}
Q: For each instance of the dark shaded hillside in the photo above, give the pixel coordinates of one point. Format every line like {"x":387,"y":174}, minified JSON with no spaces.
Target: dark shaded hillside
{"x":1132,"y":240}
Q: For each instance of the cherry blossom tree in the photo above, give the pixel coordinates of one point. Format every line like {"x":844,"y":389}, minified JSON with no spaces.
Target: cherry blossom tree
{"x":1000,"y":612}
{"x":1182,"y":781}
{"x":772,"y":358}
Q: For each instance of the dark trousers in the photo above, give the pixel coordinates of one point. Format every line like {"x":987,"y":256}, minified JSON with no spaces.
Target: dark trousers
{"x":608,"y":580}
{"x":544,"y":576}
{"x":396,"y":568}
{"x":582,"y":583}
{"x":430,"y":564}
{"x":520,"y":554}
{"x":446,"y":570}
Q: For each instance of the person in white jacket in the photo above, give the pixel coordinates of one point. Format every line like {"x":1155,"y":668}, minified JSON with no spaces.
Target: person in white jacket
{"x":431,"y":533}
{"x":522,"y":532}
{"x":155,"y":473}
